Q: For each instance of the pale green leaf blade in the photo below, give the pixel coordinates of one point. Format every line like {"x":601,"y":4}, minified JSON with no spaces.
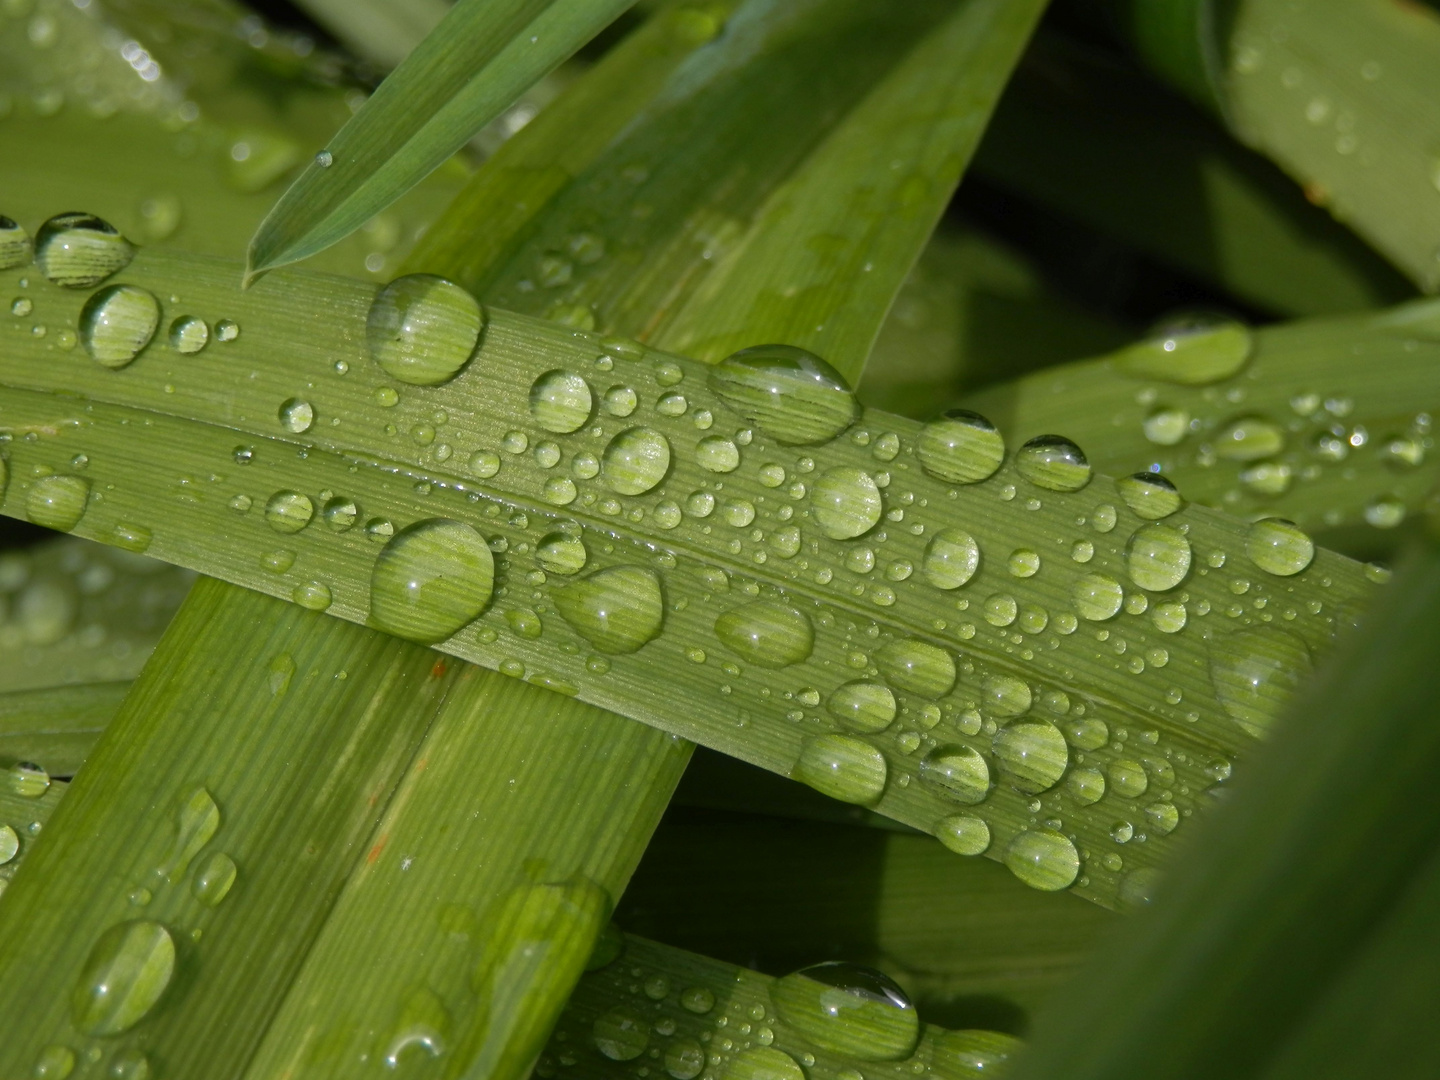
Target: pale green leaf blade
{"x":156,"y":431}
{"x":470,"y":67}
{"x":56,"y":727}
{"x":302,"y":745}
{"x":826,"y":253}
{"x":1273,"y":434}
{"x":382,"y":31}
{"x":1329,"y":829}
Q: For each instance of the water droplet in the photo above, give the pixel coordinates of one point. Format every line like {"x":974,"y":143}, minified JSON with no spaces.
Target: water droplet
{"x":1127,"y":778}
{"x":862,"y":706}
{"x":227,"y":330}
{"x":766,"y":632}
{"x":635,"y":461}
{"x":1249,"y":438}
{"x":1192,"y":350}
{"x":561,"y":401}
{"x":1097,"y":597}
{"x":117,"y":322}
{"x":1166,"y":427}
{"x":1255,"y":671}
{"x":430,"y":580}
{"x":289,"y":511}
{"x":1086,"y":786}
{"x":842,"y":767}
{"x":965,"y":1055}
{"x":1385,"y":511}
{"x":697,"y":999}
{"x":717,"y":454}
{"x":1157,"y":557}
{"x":195,"y":825}
{"x":1032,"y":754}
{"x":14,"y":244}
{"x":964,"y":834}
{"x":422,"y":329}
{"x":312,"y":595}
{"x":9,"y":843}
{"x":79,"y":250}
{"x":1023,"y":563}
{"x":917,"y":667}
{"x":951,"y":558}
{"x":617,"y":610}
{"x":1279,"y":547}
{"x":850,"y":1010}
{"x":130,"y":1064}
{"x":28,"y":780}
{"x":1163,"y":817}
{"x":961,"y":447}
{"x":296,"y":415}
{"x":621,"y":1034}
{"x":684,"y":1059}
{"x":790,"y":394}
{"x":1053,"y":462}
{"x":621,"y":401}
{"x":1149,"y":495}
{"x":484,"y":463}
{"x":959,"y":772}
{"x":763,"y":1063}
{"x":57,"y":502}
{"x":213,"y":879}
{"x":1043,"y":859}
{"x":1137,"y":888}
{"x":124,"y":976}
{"x":188,"y":335}
{"x":846,"y":502}
{"x":1005,"y":696}
{"x":561,"y":553}
{"x":54,"y":1063}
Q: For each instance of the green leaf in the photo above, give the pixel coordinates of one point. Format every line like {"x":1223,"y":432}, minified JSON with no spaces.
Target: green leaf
{"x":172,"y":855}
{"x":691,"y":1011}
{"x":56,"y":727}
{"x":1329,"y":833}
{"x":765,"y":554}
{"x":469,"y":68}
{"x":382,"y":31}
{"x":1273,"y":434}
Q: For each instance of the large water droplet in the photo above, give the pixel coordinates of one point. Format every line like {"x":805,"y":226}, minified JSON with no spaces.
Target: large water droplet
{"x":1192,"y":350}
{"x":1157,"y":557}
{"x":621,"y":1034}
{"x":846,"y":502}
{"x":767,"y":632}
{"x":763,"y":1063}
{"x":1032,"y":754}
{"x":1053,"y":462}
{"x":848,"y":1009}
{"x":862,"y":706}
{"x":951,"y":558}
{"x":79,"y":250}
{"x":636,"y":460}
{"x":57,"y":502}
{"x":842,"y":767}
{"x":1255,"y":671}
{"x":430,"y":580}
{"x":617,"y":610}
{"x":792,"y":395}
{"x":1279,"y":547}
{"x":14,"y":244}
{"x":1043,"y":859}
{"x":422,"y":329}
{"x":1149,"y":495}
{"x":964,"y":834}
{"x":959,"y":772}
{"x":27,"y":779}
{"x":289,"y":511}
{"x":195,"y":825}
{"x":117,"y":322}
{"x":961,"y":447}
{"x":1097,"y":597}
{"x":561,"y":401}
{"x":124,"y":976}
{"x":917,"y":667}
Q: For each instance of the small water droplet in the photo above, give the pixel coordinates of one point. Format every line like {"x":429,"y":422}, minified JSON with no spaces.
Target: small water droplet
{"x":9,"y":843}
{"x":717,"y":454}
{"x":422,"y":329}
{"x":14,"y":244}
{"x":57,"y":502}
{"x":964,"y":834}
{"x":684,"y":1059}
{"x":227,"y":330}
{"x":862,"y":706}
{"x":214,"y":879}
{"x":561,"y":553}
{"x":289,"y":511}
{"x":1385,"y":511}
{"x":117,"y":322}
{"x":617,"y":610}
{"x":188,"y":335}
{"x":195,"y":825}
{"x":846,"y":502}
{"x":621,"y":1034}
{"x":1023,"y":563}
{"x":961,"y":447}
{"x":790,"y":394}
{"x":1157,"y":557}
{"x":430,"y":580}
{"x":1166,"y":426}
{"x":951,"y":558}
{"x":697,"y":999}
{"x":842,"y":767}
{"x":54,"y":1063}
{"x":635,"y":461}
{"x":1127,"y":778}
{"x":127,"y":971}
{"x":1097,"y":597}
{"x":28,"y":780}
{"x":1032,"y":754}
{"x":79,"y":250}
{"x":1249,"y":438}
{"x":1054,"y":463}
{"x":958,"y":772}
{"x":561,"y":401}
{"x":917,"y":667}
{"x":324,"y":159}
{"x":1150,"y":495}
{"x":296,"y":415}
{"x":312,"y":595}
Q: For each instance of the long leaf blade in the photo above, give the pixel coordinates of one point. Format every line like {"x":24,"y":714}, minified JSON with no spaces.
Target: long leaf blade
{"x":465,"y":72}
